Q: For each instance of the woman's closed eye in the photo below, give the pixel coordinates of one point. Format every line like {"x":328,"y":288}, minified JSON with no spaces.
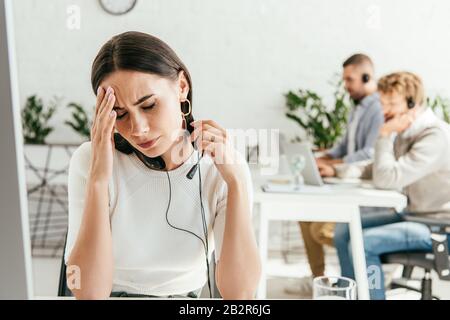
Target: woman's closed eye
{"x":149,"y":107}
{"x":121,"y":114}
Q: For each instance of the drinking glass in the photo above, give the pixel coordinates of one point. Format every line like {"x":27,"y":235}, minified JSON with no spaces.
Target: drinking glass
{"x":334,"y":288}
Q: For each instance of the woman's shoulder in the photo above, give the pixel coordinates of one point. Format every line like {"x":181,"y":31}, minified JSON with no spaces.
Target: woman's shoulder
{"x":83,"y":151}
{"x":80,"y":158}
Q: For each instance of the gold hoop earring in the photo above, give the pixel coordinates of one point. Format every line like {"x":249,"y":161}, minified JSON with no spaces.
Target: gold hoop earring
{"x":190,"y":108}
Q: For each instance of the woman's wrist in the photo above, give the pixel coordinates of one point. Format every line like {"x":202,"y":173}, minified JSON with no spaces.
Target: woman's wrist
{"x":97,"y":182}
{"x":235,"y":174}
{"x":235,"y":182}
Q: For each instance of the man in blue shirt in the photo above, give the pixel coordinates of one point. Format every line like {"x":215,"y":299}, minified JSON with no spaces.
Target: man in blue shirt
{"x":365,"y":119}
{"x":363,"y":126}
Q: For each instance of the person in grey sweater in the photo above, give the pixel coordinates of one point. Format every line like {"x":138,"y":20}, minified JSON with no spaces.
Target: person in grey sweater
{"x":416,"y":162}
{"x":357,"y":144}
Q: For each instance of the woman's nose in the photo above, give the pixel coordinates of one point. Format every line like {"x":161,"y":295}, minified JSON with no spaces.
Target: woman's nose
{"x":139,"y":127}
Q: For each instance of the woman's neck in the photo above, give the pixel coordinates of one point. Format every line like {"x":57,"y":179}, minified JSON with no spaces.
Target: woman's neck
{"x":177,"y":154}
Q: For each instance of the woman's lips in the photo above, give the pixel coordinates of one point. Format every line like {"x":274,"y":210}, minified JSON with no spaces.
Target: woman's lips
{"x":148,"y":144}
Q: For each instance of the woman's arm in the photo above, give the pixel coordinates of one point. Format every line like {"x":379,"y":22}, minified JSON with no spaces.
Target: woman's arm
{"x":92,"y":253}
{"x":239,"y":268}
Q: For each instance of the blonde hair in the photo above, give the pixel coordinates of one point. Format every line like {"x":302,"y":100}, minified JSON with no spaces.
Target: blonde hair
{"x":404,"y":83}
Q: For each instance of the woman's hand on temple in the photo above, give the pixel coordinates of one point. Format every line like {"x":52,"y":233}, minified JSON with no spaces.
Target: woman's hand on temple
{"x":213,"y":140}
{"x":102,"y":136}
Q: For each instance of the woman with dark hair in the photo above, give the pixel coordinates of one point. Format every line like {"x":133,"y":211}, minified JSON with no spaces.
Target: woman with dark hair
{"x":154,"y":192}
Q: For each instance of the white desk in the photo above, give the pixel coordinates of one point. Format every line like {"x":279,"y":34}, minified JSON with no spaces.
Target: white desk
{"x":341,"y":204}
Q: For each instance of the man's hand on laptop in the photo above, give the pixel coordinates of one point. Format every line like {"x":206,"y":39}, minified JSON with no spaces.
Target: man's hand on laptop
{"x":326,"y":170}
{"x":321,"y":160}
{"x":327,"y":161}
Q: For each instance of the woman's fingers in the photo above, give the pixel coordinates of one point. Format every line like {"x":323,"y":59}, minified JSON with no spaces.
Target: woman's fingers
{"x":208,"y":124}
{"x":215,"y":150}
{"x":101,"y":123}
{"x":106,"y":101}
{"x":209,"y":135}
{"x":208,"y":147}
{"x":111,"y":122}
{"x":215,"y":130}
{"x":101,"y":99}
{"x":100,"y":96}
{"x":105,"y":114}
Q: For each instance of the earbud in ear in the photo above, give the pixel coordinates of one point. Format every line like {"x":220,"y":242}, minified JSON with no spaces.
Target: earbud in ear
{"x":411,"y":103}
{"x":365,"y":78}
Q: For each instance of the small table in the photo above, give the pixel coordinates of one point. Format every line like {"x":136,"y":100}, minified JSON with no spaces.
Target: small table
{"x":333,"y":203}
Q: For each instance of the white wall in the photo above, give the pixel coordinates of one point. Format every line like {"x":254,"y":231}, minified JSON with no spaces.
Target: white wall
{"x":243,"y":55}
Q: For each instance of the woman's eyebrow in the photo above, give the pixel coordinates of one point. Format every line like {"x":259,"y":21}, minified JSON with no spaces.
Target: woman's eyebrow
{"x":143,"y":99}
{"x":137,"y":102}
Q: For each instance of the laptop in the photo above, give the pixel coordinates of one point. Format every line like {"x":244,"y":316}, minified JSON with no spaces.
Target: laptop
{"x":311,"y":174}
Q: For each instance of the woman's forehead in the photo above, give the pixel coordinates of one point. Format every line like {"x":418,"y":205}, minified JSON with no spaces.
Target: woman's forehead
{"x":130,"y":86}
{"x":133,"y":80}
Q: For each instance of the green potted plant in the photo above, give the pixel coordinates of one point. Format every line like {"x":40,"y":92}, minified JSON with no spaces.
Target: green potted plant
{"x":440,"y":106}
{"x":35,"y":118}
{"x":80,"y":122}
{"x":35,"y":128}
{"x":46,"y":169}
{"x":323,"y":125}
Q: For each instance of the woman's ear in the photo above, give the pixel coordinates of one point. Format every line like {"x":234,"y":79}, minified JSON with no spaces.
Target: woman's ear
{"x":183,"y":84}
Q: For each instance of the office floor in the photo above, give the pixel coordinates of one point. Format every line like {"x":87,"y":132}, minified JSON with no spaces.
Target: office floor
{"x":46,"y":273}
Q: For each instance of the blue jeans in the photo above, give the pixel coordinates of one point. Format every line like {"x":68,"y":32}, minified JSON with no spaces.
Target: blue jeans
{"x":384,"y":231}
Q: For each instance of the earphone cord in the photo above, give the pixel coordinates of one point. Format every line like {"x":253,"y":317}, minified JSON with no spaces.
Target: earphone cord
{"x":205,"y":227}
{"x":205,"y":245}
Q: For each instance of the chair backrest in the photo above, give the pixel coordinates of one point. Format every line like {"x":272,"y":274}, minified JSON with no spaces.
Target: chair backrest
{"x":63,"y":290}
{"x":212,"y":276}
{"x":438,"y":224}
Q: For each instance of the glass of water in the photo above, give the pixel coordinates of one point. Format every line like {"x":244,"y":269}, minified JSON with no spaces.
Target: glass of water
{"x":334,"y":288}
{"x":298,"y":163}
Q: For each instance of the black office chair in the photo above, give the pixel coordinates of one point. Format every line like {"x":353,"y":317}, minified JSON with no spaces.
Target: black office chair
{"x":63,"y":290}
{"x":437,"y":259}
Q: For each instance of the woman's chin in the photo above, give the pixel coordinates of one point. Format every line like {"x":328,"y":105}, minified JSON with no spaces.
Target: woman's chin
{"x":155,"y":151}
{"x":160,"y":148}
{"x":151,"y":153}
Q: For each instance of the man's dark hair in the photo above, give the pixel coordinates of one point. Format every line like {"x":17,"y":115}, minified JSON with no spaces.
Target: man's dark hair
{"x":357,"y":59}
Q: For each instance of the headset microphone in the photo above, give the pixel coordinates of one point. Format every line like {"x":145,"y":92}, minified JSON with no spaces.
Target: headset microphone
{"x":193,"y":170}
